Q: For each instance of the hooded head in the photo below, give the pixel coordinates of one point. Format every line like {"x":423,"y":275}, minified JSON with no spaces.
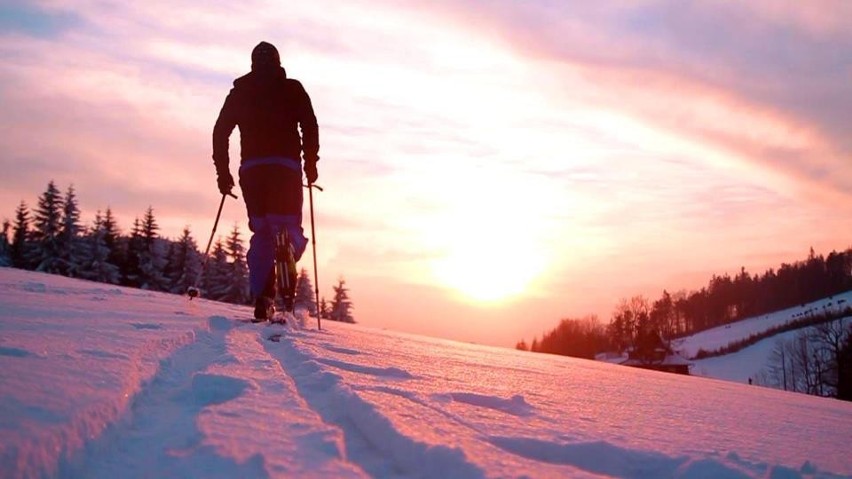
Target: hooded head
{"x":265,"y":56}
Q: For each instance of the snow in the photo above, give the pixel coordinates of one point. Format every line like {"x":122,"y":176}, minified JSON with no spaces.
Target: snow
{"x":743,"y":364}
{"x":99,"y":381}
{"x":747,"y":363}
{"x":721,"y":336}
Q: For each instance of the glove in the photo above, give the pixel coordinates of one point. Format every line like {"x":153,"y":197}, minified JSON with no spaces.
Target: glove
{"x":311,"y":172}
{"x":225,"y":182}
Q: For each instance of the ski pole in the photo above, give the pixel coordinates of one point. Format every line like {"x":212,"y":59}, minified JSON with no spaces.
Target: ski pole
{"x":311,"y":187}
{"x":194,"y":291}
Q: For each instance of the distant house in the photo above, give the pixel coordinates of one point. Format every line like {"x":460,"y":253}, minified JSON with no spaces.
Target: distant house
{"x":654,"y":353}
{"x":669,"y":363}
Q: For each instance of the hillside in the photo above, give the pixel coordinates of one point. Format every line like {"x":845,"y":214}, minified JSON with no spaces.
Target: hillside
{"x":747,"y":363}
{"x":102,"y":381}
{"x":721,"y":336}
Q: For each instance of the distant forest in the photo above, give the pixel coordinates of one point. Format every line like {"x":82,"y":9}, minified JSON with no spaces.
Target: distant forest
{"x":52,"y":239}
{"x":724,"y":300}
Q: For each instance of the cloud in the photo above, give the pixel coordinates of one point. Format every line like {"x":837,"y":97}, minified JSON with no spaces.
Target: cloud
{"x":754,"y":79}
{"x":29,"y":20}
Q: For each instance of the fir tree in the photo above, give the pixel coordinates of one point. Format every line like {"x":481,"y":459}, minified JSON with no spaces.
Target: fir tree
{"x":324,"y":309}
{"x":151,"y":261}
{"x":131,"y":273}
{"x":96,"y":266}
{"x":305,"y":294}
{"x":217,"y":274}
{"x":237,"y":285}
{"x":341,"y":305}
{"x":70,"y":245}
{"x":19,"y":249}
{"x":46,"y":252}
{"x":112,"y":239}
{"x":183,"y":263}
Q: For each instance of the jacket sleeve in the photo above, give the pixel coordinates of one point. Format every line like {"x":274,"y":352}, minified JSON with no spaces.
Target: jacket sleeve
{"x":308,"y":125}
{"x":222,"y":132}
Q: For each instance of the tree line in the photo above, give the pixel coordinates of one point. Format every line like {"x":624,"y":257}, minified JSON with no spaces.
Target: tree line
{"x":724,"y":300}
{"x":51,"y":238}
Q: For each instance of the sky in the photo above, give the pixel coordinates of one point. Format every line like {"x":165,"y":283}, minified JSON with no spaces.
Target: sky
{"x":489,"y":167}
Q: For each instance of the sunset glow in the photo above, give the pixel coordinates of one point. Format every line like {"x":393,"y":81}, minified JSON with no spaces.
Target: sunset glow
{"x":513,"y":163}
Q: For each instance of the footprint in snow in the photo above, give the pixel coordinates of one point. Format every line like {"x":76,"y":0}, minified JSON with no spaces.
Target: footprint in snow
{"x":210,"y":389}
{"x":338,"y":349}
{"x":16,"y":352}
{"x":516,"y":405}
{"x":146,"y":326}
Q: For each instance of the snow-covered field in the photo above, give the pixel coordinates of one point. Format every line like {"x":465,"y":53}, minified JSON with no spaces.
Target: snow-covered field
{"x":101,"y":382}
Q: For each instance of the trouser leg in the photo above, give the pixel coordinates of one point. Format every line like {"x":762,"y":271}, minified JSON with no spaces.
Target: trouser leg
{"x":273,"y":196}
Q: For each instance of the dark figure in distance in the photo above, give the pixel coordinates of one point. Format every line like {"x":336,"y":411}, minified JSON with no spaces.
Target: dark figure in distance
{"x":270,"y":110}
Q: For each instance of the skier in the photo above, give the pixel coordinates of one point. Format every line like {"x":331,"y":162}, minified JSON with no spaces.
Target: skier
{"x":269,"y":109}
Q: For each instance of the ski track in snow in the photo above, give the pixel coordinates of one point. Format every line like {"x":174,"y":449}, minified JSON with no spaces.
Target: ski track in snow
{"x":104,"y":382}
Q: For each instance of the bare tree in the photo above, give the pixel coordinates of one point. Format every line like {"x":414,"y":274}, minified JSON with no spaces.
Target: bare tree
{"x":811,"y":363}
{"x":829,"y":339}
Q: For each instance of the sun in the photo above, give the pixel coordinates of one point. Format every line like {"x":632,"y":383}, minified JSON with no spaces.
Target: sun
{"x":488,"y":268}
{"x":488,"y":234}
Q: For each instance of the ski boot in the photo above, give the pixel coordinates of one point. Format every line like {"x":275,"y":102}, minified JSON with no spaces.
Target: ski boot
{"x":264,"y":309}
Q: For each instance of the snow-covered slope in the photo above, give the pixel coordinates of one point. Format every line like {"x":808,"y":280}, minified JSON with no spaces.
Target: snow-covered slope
{"x":721,"y":336}
{"x":747,"y":363}
{"x":99,"y":381}
{"x":741,"y":365}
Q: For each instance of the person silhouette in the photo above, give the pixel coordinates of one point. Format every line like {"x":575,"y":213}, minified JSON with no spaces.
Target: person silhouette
{"x":279,"y":138}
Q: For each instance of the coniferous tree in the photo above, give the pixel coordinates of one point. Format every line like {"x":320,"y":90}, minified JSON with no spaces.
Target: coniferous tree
{"x":46,"y":252}
{"x":112,"y":239}
{"x":183,"y":264}
{"x":19,"y":249}
{"x":131,"y":273}
{"x":70,"y":244}
{"x":341,"y":305}
{"x":217,"y":274}
{"x":5,"y":258}
{"x":237,"y":285}
{"x":324,"y":309}
{"x":151,"y":259}
{"x":305,"y":294}
{"x":96,"y":265}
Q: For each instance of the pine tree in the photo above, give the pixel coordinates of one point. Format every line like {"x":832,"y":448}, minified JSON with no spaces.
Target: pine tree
{"x":341,"y":305}
{"x":46,"y":254}
{"x":237,"y":290}
{"x":305,"y":294}
{"x":183,"y":263}
{"x":5,"y":258}
{"x":117,"y":254}
{"x":131,"y":273}
{"x":324,"y":309}
{"x":19,"y":249}
{"x":217,"y":274}
{"x":96,"y":265}
{"x":70,"y":244}
{"x":151,"y":260}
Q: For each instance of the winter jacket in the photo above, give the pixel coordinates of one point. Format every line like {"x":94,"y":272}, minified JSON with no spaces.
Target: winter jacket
{"x":269,"y":108}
